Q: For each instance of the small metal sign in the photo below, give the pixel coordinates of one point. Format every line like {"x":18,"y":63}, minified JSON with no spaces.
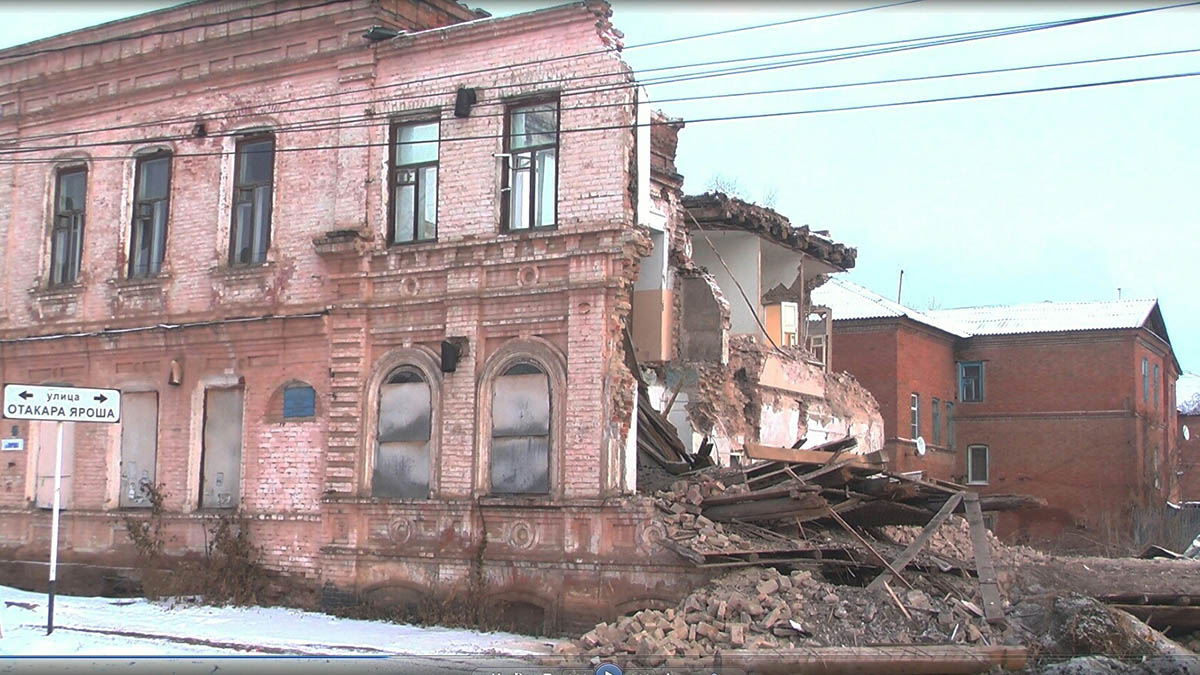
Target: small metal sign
{"x":12,"y":444}
{"x":61,"y":404}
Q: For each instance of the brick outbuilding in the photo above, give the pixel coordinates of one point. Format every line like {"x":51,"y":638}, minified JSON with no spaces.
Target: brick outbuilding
{"x":1070,"y":402}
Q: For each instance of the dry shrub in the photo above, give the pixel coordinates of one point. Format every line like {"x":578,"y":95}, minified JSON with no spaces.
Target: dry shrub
{"x":228,"y":572}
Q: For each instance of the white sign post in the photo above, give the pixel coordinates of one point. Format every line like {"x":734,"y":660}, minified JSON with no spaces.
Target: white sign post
{"x":59,"y":404}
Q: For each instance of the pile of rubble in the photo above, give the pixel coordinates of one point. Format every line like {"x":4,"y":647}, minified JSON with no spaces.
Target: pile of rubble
{"x":761,"y":608}
{"x":952,"y":539}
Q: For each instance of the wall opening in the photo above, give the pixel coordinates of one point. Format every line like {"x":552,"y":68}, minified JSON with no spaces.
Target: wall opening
{"x":402,"y":461}
{"x":139,"y":447}
{"x":221,"y":454}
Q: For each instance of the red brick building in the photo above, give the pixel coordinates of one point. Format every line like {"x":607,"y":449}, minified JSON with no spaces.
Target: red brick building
{"x":363,"y":272}
{"x":1071,"y":402}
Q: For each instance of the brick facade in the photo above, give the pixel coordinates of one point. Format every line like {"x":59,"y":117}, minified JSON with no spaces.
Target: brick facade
{"x":333,"y":306}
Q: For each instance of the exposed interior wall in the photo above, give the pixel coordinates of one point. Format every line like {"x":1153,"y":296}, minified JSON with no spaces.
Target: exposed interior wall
{"x":741,"y":253}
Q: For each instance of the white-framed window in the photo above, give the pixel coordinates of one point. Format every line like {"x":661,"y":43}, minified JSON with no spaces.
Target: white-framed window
{"x":66,"y":231}
{"x":789,"y":323}
{"x":914,"y":409}
{"x":977,"y":465}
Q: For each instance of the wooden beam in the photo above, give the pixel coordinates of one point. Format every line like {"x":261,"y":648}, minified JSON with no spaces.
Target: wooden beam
{"x":864,"y":542}
{"x":807,"y":456}
{"x":889,"y":659}
{"x":917,"y":544}
{"x":993,"y":608}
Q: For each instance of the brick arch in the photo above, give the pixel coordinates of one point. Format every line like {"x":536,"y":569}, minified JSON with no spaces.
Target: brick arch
{"x":553,"y":362}
{"x":425,"y":361}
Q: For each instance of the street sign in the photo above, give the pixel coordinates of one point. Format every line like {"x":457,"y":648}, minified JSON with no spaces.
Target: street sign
{"x":61,"y":404}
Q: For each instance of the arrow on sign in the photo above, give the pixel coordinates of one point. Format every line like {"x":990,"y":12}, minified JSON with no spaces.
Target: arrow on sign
{"x":25,"y":395}
{"x":101,"y":398}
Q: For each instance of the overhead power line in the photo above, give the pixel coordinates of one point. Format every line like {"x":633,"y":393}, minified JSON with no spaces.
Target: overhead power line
{"x":697,"y":120}
{"x":930,"y":41}
{"x":363,"y":121}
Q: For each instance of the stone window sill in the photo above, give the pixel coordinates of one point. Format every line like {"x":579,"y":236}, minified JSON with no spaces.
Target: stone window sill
{"x":64,"y":291}
{"x":237,"y":272}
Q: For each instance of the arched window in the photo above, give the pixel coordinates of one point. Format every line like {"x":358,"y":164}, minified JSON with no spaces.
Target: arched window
{"x":520,"y":453}
{"x":402,"y":461}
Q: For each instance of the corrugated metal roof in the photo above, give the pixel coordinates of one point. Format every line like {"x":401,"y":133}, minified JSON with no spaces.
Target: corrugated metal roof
{"x":848,"y":300}
{"x":1049,"y":317}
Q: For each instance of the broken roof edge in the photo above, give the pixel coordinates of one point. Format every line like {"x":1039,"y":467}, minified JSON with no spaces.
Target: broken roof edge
{"x":719,"y":211}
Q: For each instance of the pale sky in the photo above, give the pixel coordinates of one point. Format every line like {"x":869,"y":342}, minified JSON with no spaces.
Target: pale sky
{"x":1063,"y":196}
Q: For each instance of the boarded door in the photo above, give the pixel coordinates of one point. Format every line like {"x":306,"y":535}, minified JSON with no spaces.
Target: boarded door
{"x":139,"y":446}
{"x":402,"y":462}
{"x":221,"y":461}
{"x":47,"y":442}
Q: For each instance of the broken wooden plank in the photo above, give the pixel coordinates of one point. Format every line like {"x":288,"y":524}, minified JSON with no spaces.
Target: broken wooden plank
{"x":767,"y":509}
{"x":917,"y":544}
{"x":864,"y":542}
{"x":993,"y":608}
{"x":1010,"y":502}
{"x":806,"y":456}
{"x":1163,"y":616}
{"x":756,"y":495}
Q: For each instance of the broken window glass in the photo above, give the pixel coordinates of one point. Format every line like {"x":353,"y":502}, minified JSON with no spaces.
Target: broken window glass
{"x":402,"y":461}
{"x":221,"y":456}
{"x":521,"y":431}
{"x":530,"y":177}
{"x":139,"y":447}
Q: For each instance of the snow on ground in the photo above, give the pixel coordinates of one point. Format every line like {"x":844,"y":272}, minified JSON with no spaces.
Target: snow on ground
{"x":89,"y":626}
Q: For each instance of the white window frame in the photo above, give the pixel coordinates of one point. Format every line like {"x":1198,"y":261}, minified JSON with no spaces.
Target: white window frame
{"x":987,"y":463}
{"x":914,"y":420}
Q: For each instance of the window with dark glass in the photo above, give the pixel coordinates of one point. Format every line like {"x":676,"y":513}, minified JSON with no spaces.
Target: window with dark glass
{"x":402,"y":462}
{"x":66,"y":233}
{"x":970,"y":381}
{"x":950,"y":425}
{"x":1155,"y":386}
{"x":299,"y":400}
{"x":413,"y":216}
{"x":521,"y":431}
{"x":147,"y":241}
{"x":250,"y":231}
{"x":935,"y":407}
{"x":1145,"y":380}
{"x":530,"y":178}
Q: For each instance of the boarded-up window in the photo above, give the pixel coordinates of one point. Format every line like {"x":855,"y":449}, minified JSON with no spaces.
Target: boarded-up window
{"x":299,"y":400}
{"x":402,"y":448}
{"x":521,"y":431}
{"x":221,"y":462}
{"x":47,"y":446}
{"x":139,"y":447}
